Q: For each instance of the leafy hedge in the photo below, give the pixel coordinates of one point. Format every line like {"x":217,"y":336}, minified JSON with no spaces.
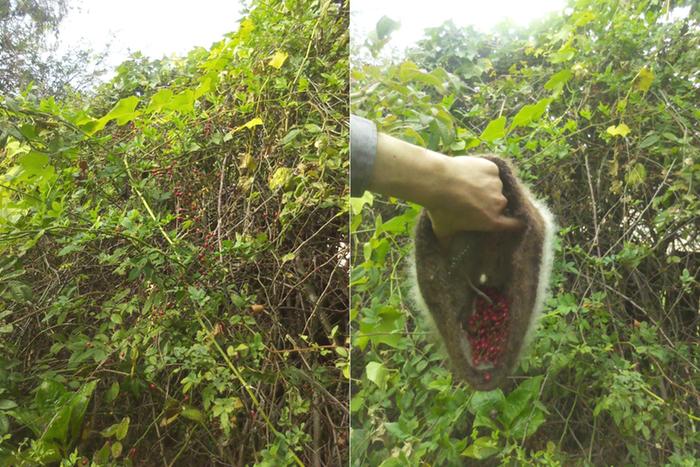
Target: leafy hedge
{"x":174,"y":281}
{"x":598,"y":108}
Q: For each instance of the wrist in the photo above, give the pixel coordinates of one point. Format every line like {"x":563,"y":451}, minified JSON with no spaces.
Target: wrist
{"x":433,"y":179}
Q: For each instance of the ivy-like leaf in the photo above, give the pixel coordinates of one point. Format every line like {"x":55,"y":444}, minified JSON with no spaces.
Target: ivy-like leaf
{"x":123,"y":112}
{"x":280,"y":177}
{"x":160,"y":100}
{"x":377,"y":373}
{"x":494,"y":130}
{"x":278,"y":59}
{"x":619,"y":130}
{"x":182,"y":102}
{"x":252,"y":123}
{"x":644,"y":79}
{"x":530,"y":112}
{"x":558,"y":80}
{"x":34,"y":163}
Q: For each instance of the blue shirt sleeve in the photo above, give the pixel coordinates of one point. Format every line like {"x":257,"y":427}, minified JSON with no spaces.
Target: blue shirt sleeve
{"x":363,"y":151}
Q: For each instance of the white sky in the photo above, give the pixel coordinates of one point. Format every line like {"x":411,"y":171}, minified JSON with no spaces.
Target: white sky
{"x":416,"y":16}
{"x":155,"y":27}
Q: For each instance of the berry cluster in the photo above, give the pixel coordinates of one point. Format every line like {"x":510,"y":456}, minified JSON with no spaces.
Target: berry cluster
{"x":209,"y":243}
{"x":487,"y":327}
{"x":181,"y":180}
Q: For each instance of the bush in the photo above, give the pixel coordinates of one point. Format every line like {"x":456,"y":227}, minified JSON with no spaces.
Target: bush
{"x":173,"y":272}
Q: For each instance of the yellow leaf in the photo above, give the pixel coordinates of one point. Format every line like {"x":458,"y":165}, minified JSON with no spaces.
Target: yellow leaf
{"x":280,"y":177}
{"x":644,"y":79}
{"x":248,"y":163}
{"x":278,"y":59}
{"x":619,"y":130}
{"x":251,"y":123}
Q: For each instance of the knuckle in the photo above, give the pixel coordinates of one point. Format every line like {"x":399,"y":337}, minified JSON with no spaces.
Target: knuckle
{"x":501,"y":201}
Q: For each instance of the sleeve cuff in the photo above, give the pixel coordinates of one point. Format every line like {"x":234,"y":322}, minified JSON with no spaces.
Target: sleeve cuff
{"x":363,"y":150}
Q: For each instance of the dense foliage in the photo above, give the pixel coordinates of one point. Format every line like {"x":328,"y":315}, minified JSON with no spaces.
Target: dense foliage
{"x":598,"y":108}
{"x":173,"y":268}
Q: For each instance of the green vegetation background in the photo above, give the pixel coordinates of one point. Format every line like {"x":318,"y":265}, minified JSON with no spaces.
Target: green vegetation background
{"x":598,"y":108}
{"x":173,"y":277}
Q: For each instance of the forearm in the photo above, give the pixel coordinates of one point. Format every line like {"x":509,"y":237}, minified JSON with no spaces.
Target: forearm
{"x":460,"y":193}
{"x":406,"y":171}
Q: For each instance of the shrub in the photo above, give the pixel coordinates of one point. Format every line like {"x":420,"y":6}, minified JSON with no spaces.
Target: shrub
{"x":174,"y":279}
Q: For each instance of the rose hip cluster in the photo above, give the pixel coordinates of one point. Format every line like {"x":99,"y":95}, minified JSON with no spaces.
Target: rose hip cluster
{"x":487,"y":327}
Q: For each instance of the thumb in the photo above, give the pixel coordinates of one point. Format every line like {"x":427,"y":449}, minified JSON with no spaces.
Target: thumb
{"x":508,"y":223}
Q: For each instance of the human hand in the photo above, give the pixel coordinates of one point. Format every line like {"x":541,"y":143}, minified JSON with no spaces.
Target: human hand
{"x":467,"y":196}
{"x":460,"y":193}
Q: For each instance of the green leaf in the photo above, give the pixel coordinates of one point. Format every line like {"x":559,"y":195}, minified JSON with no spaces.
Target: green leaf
{"x":530,"y":112}
{"x":122,"y":428}
{"x":160,"y":100}
{"x":484,"y":401}
{"x":564,"y":54}
{"x":64,"y":427}
{"x":116,"y":318}
{"x":637,"y":175}
{"x":6,"y":404}
{"x":619,"y":130}
{"x":182,"y":102}
{"x":193,"y":414}
{"x":482,"y":448}
{"x":206,"y":85}
{"x":494,"y":130}
{"x":34,"y":163}
{"x":278,"y":59}
{"x":644,"y":79}
{"x":377,"y":373}
{"x":520,"y":399}
{"x":526,"y":425}
{"x":112,"y":392}
{"x":356,"y":203}
{"x":289,"y":137}
{"x":558,"y":80}
{"x":4,"y":425}
{"x":409,"y":71}
{"x":124,"y":111}
{"x":385,"y":26}
{"x":101,"y":457}
{"x":357,"y":402}
{"x":385,"y":329}
{"x":116,"y":449}
{"x":650,"y":140}
{"x":288,"y":256}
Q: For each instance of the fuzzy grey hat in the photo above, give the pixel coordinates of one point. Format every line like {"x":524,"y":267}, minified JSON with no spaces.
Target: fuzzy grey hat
{"x":486,"y":290}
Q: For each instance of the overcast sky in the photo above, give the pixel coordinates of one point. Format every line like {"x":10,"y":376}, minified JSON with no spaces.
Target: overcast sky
{"x":165,"y":27}
{"x":155,"y":27}
{"x":416,"y":16}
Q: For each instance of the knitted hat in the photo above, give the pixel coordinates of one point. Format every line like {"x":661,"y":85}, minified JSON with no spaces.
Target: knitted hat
{"x":486,"y":289}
